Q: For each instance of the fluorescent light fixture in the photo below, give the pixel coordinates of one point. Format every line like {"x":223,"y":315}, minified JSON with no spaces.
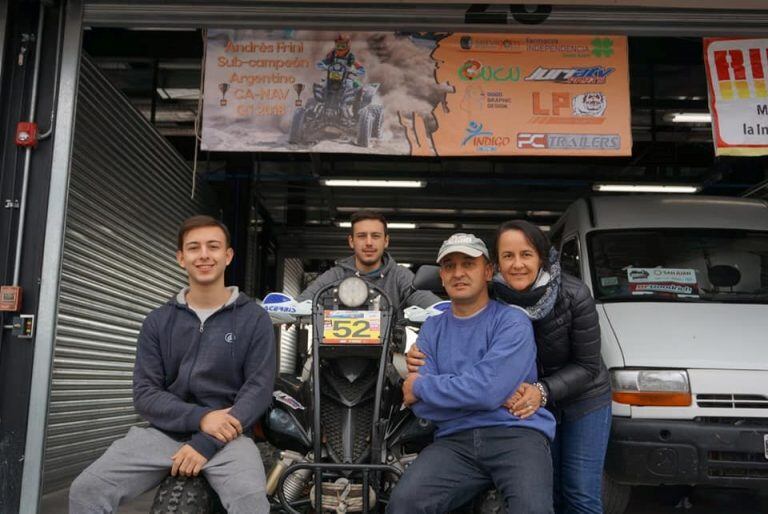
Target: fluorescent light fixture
{"x":406,"y":264}
{"x":691,"y":117}
{"x":395,"y":225}
{"x":645,"y":188}
{"x":178,"y":93}
{"x":437,"y":225}
{"x":355,"y":209}
{"x":543,"y":213}
{"x":338,"y":182}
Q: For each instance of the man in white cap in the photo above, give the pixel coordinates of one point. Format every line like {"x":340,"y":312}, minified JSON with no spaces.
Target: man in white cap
{"x":476,"y":356}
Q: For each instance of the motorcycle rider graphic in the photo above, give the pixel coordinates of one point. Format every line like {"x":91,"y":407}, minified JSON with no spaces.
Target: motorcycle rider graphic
{"x":342,"y":52}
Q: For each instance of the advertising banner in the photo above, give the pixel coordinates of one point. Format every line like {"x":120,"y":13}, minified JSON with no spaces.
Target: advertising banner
{"x":737,"y":70}
{"x":421,"y":94}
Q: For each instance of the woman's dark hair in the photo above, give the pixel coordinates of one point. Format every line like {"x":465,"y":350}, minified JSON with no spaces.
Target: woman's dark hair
{"x":532,"y":233}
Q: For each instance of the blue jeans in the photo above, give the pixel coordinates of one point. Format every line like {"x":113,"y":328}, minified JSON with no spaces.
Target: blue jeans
{"x":455,"y":468}
{"x":578,"y":455}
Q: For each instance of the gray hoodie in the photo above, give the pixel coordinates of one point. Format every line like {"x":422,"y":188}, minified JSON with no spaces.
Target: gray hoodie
{"x":393,"y":279}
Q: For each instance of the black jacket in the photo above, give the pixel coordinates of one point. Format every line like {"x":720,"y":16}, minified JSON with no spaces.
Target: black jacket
{"x":568,"y":342}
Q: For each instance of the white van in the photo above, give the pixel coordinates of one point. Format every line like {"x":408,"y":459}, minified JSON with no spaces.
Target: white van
{"x":681,"y":285}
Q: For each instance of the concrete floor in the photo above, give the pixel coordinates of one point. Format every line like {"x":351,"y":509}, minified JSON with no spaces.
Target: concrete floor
{"x":645,"y":500}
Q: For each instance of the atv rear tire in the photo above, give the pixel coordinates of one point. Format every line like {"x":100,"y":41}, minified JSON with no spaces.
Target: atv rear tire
{"x":378,"y":120}
{"x":296,"y":135}
{"x":364,"y":128}
{"x":186,"y":495}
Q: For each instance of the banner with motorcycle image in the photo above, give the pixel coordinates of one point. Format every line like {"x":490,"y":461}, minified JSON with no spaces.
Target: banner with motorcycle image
{"x":421,"y":94}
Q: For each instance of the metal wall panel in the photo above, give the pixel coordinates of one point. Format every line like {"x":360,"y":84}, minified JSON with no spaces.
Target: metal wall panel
{"x":129,"y":190}
{"x":289,"y":338}
{"x":671,"y":18}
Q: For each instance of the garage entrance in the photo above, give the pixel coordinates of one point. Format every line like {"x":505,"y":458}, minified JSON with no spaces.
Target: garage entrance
{"x":137,"y":171}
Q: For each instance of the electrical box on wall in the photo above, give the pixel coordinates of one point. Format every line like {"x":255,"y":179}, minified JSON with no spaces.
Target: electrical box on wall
{"x":10,"y":298}
{"x":24,"y":326}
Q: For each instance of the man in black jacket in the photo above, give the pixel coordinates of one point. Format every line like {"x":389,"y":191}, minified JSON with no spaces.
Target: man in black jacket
{"x":204,"y":374}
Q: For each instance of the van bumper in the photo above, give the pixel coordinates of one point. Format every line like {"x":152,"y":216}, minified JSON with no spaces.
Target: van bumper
{"x":721,"y":452}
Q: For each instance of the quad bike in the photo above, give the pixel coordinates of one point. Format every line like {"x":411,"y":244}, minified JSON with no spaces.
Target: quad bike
{"x":340,"y":106}
{"x":341,"y":434}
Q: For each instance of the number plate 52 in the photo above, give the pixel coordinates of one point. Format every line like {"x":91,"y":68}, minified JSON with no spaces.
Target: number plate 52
{"x":352,"y":327}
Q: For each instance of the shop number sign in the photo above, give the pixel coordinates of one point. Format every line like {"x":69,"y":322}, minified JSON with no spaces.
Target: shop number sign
{"x":351,"y":327}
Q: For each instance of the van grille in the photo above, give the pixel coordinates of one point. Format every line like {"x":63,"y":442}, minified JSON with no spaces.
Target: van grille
{"x":736,"y":422}
{"x":732,"y":401}
{"x":731,"y":464}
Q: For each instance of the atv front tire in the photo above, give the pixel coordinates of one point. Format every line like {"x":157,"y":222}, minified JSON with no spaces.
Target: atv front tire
{"x":186,"y":495}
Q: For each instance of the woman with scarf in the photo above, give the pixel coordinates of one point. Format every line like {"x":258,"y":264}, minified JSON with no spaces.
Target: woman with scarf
{"x":573,"y":381}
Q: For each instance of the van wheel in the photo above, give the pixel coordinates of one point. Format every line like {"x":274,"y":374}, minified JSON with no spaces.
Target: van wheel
{"x":186,"y":495}
{"x":615,"y":496}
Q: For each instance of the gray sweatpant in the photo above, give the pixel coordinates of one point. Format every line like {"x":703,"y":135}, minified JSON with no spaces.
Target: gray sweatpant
{"x":142,"y":459}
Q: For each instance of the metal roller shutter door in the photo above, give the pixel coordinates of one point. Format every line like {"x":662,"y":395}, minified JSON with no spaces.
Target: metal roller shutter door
{"x":289,"y":338}
{"x":128,"y":192}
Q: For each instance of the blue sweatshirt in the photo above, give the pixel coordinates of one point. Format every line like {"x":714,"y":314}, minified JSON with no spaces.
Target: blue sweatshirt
{"x":185,"y":369}
{"x":472,"y":366}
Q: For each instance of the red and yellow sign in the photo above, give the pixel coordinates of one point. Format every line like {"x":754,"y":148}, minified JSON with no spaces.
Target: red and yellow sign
{"x":420,"y":94}
{"x":737,"y":70}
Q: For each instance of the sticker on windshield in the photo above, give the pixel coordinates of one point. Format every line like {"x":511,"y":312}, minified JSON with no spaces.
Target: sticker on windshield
{"x":677,"y":281}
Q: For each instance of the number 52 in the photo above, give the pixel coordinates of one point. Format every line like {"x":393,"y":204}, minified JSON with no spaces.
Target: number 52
{"x":351,"y":328}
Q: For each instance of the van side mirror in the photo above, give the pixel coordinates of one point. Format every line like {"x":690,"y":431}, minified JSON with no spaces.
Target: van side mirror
{"x":723,"y":275}
{"x":428,"y":278}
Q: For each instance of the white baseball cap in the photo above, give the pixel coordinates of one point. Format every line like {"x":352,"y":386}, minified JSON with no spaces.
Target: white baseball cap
{"x":468,"y":244}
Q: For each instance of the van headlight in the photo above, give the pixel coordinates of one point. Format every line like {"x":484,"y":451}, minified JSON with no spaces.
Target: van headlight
{"x":651,"y":387}
{"x":353,"y":292}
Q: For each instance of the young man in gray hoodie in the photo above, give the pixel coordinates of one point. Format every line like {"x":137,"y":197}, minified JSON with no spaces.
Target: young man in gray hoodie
{"x":204,"y":374}
{"x":369,"y":239}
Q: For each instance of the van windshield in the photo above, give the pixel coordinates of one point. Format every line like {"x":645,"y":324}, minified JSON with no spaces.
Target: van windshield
{"x":691,"y":265}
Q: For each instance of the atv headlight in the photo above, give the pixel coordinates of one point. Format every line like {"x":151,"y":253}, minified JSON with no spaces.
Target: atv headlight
{"x":353,"y":292}
{"x":651,"y":387}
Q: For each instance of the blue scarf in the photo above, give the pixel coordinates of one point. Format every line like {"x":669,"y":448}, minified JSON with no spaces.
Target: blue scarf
{"x":540,"y":299}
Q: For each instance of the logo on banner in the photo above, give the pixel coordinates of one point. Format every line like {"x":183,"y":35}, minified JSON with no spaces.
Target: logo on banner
{"x":473,"y":69}
{"x":483,"y":140}
{"x":590,"y":75}
{"x":481,"y":43}
{"x":602,"y":47}
{"x":733,"y":69}
{"x":535,"y":141}
{"x":569,"y":141}
{"x":589,"y":105}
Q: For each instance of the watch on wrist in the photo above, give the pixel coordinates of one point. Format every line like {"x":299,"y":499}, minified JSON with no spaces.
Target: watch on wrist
{"x":543,"y":390}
